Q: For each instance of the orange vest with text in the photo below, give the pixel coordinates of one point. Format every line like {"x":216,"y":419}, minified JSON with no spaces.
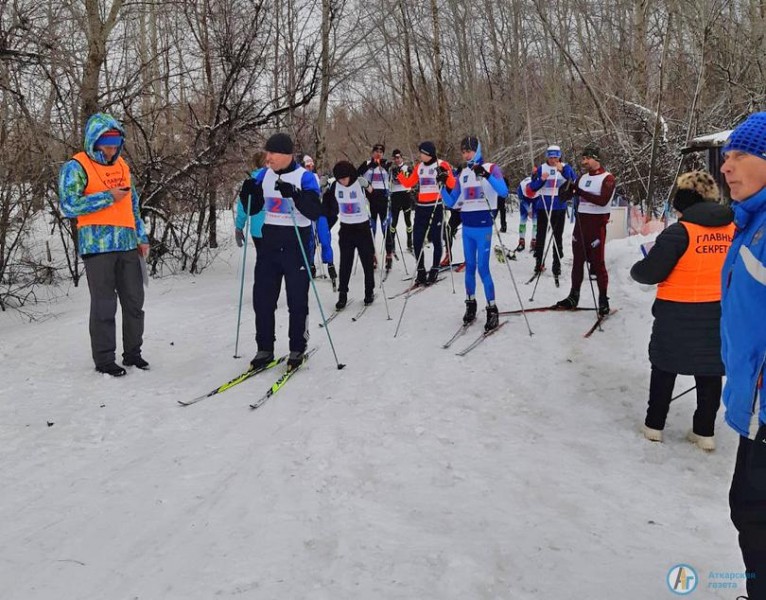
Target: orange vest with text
{"x":100,"y":179}
{"x":697,"y":275}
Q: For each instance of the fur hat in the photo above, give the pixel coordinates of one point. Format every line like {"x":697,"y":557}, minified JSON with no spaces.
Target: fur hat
{"x":694,"y":187}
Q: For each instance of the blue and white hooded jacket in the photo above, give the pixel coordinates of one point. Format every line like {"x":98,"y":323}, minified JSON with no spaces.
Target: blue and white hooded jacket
{"x":743,"y":324}
{"x":97,"y":239}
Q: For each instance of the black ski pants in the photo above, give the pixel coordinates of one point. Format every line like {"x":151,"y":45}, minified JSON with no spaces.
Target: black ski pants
{"x":558,"y":218}
{"x":272,"y":263}
{"x":747,"y":501}
{"x":401,"y":202}
{"x":661,"y":391}
{"x":423,"y":214}
{"x":379,"y":212}
{"x":356,"y":236}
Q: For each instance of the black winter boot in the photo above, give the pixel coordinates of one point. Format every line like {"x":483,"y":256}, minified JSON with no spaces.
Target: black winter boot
{"x":493,"y":318}
{"x":470,"y":312}
{"x":112,"y":369}
{"x":369,"y":297}
{"x":570,"y":302}
{"x":136,"y":361}
{"x":342,"y":300}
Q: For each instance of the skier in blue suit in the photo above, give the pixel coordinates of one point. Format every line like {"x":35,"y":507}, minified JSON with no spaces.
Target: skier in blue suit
{"x":479,"y":184}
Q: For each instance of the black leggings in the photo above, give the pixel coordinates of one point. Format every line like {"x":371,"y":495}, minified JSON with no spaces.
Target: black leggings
{"x":661,"y":391}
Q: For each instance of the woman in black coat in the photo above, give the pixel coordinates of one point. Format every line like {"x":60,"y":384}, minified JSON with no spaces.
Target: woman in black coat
{"x":686,"y":262}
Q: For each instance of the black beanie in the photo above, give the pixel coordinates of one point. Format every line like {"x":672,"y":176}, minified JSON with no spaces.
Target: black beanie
{"x":344,"y":169}
{"x":428,"y":148}
{"x":280,"y":143}
{"x":396,"y":152}
{"x":470,"y":143}
{"x":694,"y":187}
{"x":380,"y":147}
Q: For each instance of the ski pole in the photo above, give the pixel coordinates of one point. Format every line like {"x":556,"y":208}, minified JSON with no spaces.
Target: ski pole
{"x":510,"y":272}
{"x":401,"y":250}
{"x":382,"y":266}
{"x":540,"y":272}
{"x":449,"y":249}
{"x":242,"y":277}
{"x":417,"y":263}
{"x":311,"y":279}
{"x":587,"y":264}
{"x":683,"y":393}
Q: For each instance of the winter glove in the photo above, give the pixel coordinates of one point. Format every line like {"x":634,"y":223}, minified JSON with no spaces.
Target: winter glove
{"x":331,"y":271}
{"x":441,"y":176}
{"x":239,"y":236}
{"x":287,"y":190}
{"x":480,"y":171}
{"x":395,"y":171}
{"x":251,"y":196}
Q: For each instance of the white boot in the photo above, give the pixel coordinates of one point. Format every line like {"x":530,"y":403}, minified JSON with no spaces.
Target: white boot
{"x":653,"y":435}
{"x":703,"y":442}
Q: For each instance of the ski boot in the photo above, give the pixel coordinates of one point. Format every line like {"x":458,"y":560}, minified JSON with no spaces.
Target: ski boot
{"x":445,"y":262}
{"x":261,"y":359}
{"x":420,"y":278}
{"x":342,"y":301}
{"x":603,"y":306}
{"x":570,"y":302}
{"x":493,"y":318}
{"x":470,"y":311}
{"x":295,"y":360}
{"x":539,"y":268}
{"x":521,"y":246}
{"x":389,"y":261}
{"x":433,"y":275}
{"x":368,"y":298}
{"x":533,"y":245}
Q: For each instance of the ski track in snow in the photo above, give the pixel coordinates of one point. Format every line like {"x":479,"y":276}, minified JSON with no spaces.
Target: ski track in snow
{"x":517,"y":471}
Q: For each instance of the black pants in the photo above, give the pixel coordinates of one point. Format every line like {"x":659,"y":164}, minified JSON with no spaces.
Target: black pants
{"x":450,"y":230}
{"x":661,"y":391}
{"x":422,"y":216}
{"x":501,"y":212}
{"x":357,"y":237}
{"x":747,"y":501}
{"x":272,"y":263}
{"x":379,"y":212}
{"x":113,"y":275}
{"x":558,"y":218}
{"x":401,"y":202}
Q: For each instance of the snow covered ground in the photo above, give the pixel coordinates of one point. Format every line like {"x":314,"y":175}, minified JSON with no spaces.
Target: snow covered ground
{"x":515,"y":472}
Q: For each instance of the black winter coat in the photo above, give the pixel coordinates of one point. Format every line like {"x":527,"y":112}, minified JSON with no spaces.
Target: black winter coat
{"x":686,"y":336}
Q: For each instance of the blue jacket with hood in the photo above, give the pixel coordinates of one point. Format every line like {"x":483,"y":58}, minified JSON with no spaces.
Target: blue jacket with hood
{"x":96,"y":239}
{"x":743,"y":326}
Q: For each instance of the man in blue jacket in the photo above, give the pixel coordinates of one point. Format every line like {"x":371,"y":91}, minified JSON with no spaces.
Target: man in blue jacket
{"x":743,"y":341}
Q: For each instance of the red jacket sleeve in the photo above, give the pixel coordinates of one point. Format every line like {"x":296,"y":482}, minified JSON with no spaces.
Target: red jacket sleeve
{"x":450,"y":177}
{"x":602,"y":198}
{"x":409,"y":180}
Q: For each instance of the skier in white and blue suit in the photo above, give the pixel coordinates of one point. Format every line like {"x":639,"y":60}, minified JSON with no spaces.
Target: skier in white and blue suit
{"x":479,"y":184}
{"x":290,"y":195}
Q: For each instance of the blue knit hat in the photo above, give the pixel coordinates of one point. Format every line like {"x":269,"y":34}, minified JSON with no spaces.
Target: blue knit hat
{"x":749,"y":136}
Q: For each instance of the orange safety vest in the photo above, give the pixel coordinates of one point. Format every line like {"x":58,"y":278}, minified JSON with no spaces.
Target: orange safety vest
{"x":697,"y":275}
{"x":100,"y":179}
